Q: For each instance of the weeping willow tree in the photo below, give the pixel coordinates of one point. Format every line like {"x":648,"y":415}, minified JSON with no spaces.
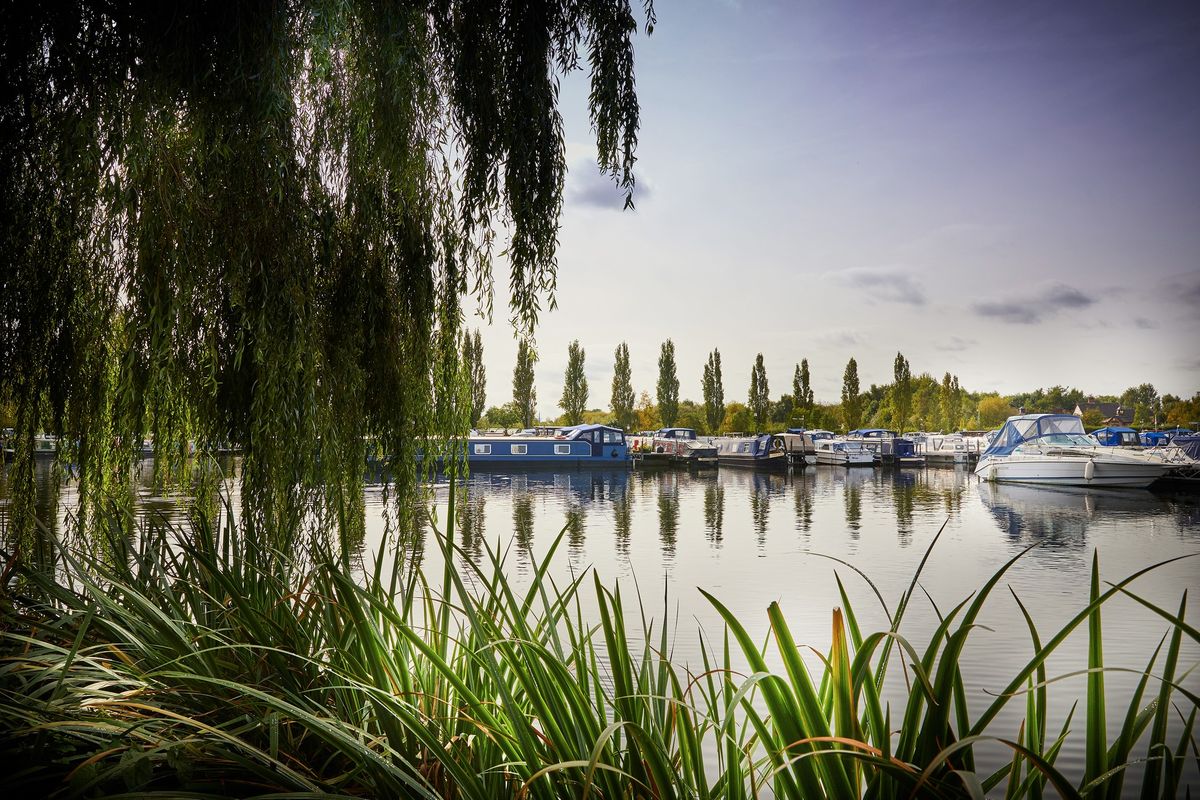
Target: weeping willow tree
{"x":258,"y":224}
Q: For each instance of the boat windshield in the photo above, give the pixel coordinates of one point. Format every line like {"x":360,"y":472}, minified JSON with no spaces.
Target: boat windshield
{"x":1068,"y":440}
{"x":1045,"y":427}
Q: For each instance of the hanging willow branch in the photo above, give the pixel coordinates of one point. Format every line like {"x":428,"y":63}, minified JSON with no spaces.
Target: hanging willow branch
{"x":256,"y":224}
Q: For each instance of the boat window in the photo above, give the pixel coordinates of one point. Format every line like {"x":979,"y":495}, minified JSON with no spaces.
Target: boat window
{"x":614,"y":437}
{"x":483,"y":449}
{"x":520,"y":449}
{"x":562,"y":449}
{"x":745,"y":448}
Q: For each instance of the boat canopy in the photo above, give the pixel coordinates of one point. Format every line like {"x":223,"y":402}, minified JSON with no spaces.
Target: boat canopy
{"x":1190,"y":445}
{"x":610,"y":434}
{"x":1115,"y":436}
{"x":757,"y":446}
{"x":795,"y":430}
{"x":1028,"y":427}
{"x":873,"y":433}
{"x":677,"y":433}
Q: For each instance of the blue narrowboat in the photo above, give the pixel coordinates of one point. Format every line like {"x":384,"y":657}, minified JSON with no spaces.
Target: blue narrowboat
{"x":574,"y":446}
{"x":756,"y":452}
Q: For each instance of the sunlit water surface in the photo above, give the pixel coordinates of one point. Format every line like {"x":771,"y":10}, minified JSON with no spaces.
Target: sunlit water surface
{"x":752,"y":538}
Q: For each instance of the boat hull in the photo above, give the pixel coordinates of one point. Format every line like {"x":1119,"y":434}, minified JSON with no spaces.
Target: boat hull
{"x":1070,"y":472}
{"x":776,"y":460}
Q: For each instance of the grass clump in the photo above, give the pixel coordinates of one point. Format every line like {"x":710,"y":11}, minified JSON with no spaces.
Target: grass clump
{"x":198,"y":663}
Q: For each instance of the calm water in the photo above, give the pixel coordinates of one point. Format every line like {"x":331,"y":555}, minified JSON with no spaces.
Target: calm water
{"x":753,"y":538}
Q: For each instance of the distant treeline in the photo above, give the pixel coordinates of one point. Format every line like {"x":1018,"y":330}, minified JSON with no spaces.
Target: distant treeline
{"x":909,"y":402}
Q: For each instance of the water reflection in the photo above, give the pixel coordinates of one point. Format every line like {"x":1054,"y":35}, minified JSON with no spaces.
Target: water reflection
{"x":903,"y":491}
{"x":853,"y":480}
{"x":522,"y":517}
{"x":802,"y":493}
{"x":714,"y":512}
{"x":1059,"y":516}
{"x":668,"y":512}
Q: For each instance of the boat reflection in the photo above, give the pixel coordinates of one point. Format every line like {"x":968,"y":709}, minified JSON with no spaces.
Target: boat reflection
{"x":1059,"y":515}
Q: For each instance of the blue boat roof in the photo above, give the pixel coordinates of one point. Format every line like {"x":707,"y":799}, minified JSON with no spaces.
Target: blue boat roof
{"x":676,"y":430}
{"x":1113,"y":429}
{"x":867,"y":431}
{"x":1027,"y":427}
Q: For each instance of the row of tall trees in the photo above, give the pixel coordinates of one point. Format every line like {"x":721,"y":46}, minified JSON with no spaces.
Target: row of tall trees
{"x":910,"y":401}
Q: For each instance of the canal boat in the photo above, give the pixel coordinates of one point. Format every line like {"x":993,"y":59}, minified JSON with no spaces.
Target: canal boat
{"x":798,"y":447}
{"x":836,"y":452}
{"x":951,"y":449}
{"x":1053,"y":449}
{"x":765,"y":451}
{"x":684,"y":447}
{"x":889,"y":447}
{"x":573,"y":446}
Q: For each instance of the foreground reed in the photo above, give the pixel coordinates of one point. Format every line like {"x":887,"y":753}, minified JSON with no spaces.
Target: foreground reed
{"x":198,"y":663}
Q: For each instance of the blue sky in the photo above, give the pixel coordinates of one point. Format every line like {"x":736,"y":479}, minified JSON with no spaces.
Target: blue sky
{"x":1006,"y":191}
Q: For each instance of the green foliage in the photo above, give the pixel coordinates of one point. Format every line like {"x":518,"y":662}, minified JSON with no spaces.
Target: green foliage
{"x":691,"y":415}
{"x":668,"y":385}
{"x":994,"y":410}
{"x":256,"y":223}
{"x":759,"y":395}
{"x":505,"y":416}
{"x":851,"y":399}
{"x":801,"y":387}
{"x":1185,"y":413}
{"x":714,"y":391}
{"x":648,"y":417}
{"x":524,"y":392}
{"x":738,"y":419}
{"x":203,"y":663}
{"x":575,"y":387}
{"x":623,"y":397}
{"x":902,"y":392}
{"x":473,"y":363}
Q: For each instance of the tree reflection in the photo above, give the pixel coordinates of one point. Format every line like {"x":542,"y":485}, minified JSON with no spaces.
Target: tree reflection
{"x":471,"y":504}
{"x":853,"y":500}
{"x":575,"y":526}
{"x":623,"y":516}
{"x":714,"y":512}
{"x":760,"y":508}
{"x":523,"y":525}
{"x":903,"y":490}
{"x":668,"y":514}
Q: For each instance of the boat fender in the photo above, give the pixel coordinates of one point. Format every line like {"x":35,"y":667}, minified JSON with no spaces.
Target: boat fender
{"x":1089,"y":470}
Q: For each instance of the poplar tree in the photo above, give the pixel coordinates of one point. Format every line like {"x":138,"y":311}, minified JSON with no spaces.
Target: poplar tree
{"x":760,"y":401}
{"x":524,"y":392}
{"x":902,"y":391}
{"x":473,"y":356}
{"x":623,"y":398}
{"x":575,"y":387}
{"x":714,"y":392}
{"x":802,"y":393}
{"x":851,"y":399}
{"x":668,"y":385}
{"x":256,"y":223}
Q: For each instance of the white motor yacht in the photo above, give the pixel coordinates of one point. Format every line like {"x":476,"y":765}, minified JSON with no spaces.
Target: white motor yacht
{"x":1054,"y":449}
{"x":843,"y":453}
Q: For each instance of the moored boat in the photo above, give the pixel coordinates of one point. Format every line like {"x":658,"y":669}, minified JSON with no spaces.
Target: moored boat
{"x":575,"y":446}
{"x":889,"y":447}
{"x":683,"y":446}
{"x":755,"y":452}
{"x":834,"y":452}
{"x":1054,"y":449}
